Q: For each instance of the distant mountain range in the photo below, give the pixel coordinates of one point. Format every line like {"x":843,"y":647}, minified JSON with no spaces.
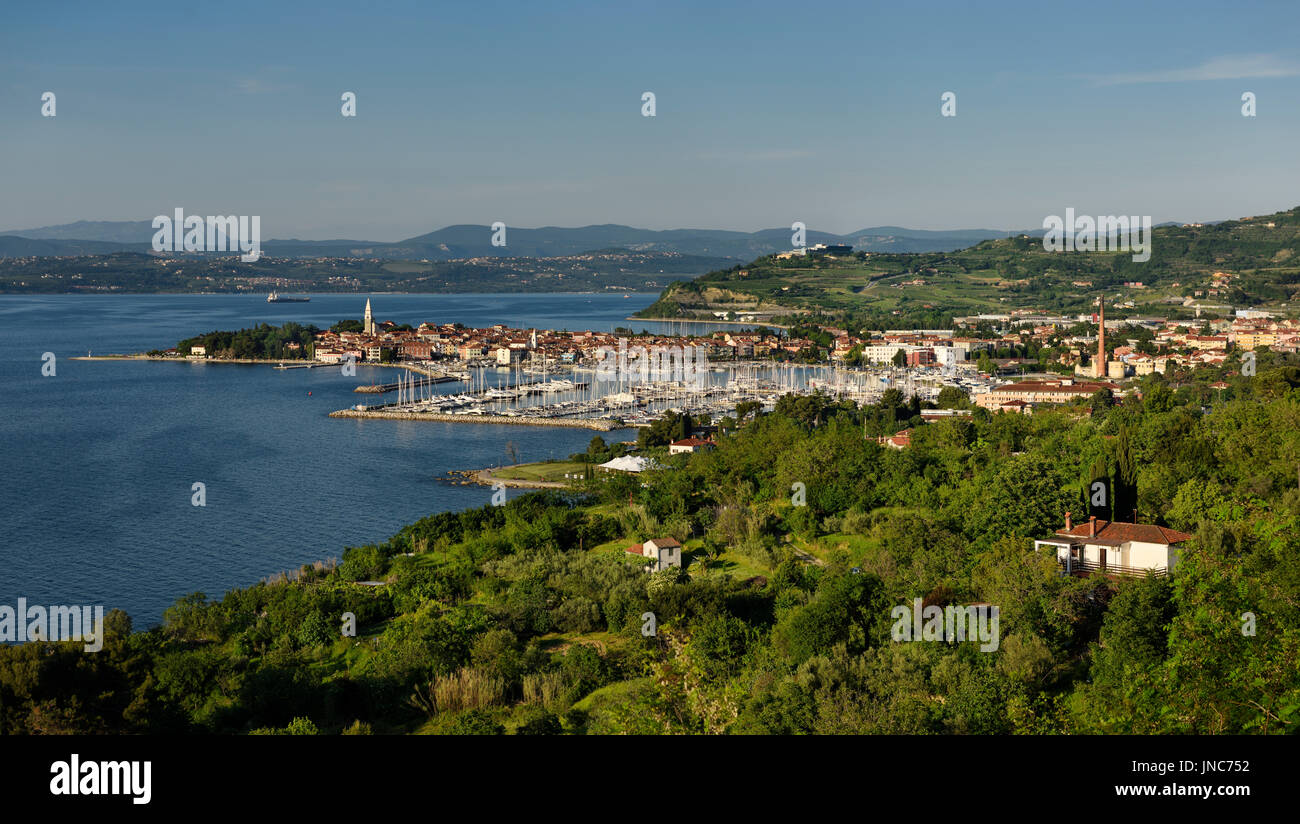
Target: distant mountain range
{"x":469,"y":241}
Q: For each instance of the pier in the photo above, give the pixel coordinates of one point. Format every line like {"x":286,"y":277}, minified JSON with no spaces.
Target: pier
{"x":381,"y":388}
{"x":598,"y":424}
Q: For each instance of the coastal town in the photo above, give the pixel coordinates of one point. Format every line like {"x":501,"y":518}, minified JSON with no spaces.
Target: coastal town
{"x":1011,"y":362}
{"x":448,"y":374}
{"x":1005,"y":363}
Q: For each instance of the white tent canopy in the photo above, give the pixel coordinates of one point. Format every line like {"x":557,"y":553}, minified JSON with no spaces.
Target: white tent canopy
{"x":629,"y":463}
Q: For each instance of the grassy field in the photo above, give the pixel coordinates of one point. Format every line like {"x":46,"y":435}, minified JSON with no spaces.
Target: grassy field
{"x":559,"y":642}
{"x":731,"y":562}
{"x":553,"y":471}
{"x":611,"y":694}
{"x":829,"y":548}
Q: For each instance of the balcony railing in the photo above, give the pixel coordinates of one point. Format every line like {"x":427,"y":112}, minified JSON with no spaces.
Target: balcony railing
{"x":1077,"y":567}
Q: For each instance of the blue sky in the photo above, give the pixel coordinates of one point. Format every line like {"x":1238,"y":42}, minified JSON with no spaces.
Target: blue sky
{"x":529,"y":113}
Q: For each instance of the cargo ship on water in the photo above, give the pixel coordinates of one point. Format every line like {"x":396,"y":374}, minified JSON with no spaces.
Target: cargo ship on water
{"x":276,"y":297}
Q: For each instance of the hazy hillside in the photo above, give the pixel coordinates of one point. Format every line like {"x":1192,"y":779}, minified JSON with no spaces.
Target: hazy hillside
{"x":466,"y":241}
{"x":113,"y":231}
{"x":137,"y":272}
{"x":1009,"y":273}
{"x":12,"y":247}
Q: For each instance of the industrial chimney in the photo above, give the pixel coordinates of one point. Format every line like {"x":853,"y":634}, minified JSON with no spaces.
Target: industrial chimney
{"x":1101,"y":336}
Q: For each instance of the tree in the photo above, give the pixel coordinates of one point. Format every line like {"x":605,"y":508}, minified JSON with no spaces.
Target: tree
{"x":952,"y":397}
{"x":1195,"y":502}
{"x":1024,"y":497}
{"x":1096,"y":501}
{"x":1125,"y":490}
{"x":744,"y":408}
{"x":597,"y":451}
{"x":1158,"y":398}
{"x":668,"y":428}
{"x":1102,"y":400}
{"x":316,"y":630}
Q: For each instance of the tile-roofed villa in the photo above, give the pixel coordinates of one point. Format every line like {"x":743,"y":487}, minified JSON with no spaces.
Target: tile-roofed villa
{"x":1114,"y":547}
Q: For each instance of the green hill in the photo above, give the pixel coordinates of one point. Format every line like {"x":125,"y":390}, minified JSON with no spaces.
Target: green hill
{"x":1008,"y":273}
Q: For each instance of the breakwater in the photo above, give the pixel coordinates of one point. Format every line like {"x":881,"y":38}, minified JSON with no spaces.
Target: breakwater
{"x":598,"y":424}
{"x":382,"y":388}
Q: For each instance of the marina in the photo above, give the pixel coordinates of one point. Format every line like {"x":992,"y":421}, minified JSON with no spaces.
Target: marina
{"x":626,"y":400}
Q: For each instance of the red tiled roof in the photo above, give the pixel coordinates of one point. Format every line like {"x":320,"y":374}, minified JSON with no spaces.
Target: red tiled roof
{"x":635,"y":549}
{"x":1118,"y":532}
{"x":1075,"y":387}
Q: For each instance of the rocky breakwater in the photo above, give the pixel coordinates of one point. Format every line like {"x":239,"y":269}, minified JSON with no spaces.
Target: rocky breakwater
{"x":598,"y":424}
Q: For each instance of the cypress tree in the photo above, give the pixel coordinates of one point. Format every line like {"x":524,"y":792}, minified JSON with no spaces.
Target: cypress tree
{"x":1100,"y":471}
{"x":1125,"y":492}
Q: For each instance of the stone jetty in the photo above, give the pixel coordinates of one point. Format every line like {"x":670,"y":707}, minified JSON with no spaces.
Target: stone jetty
{"x":598,"y":424}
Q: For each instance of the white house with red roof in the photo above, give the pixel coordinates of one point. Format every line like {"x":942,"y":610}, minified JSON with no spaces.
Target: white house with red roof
{"x":901,"y":440}
{"x":689,"y":445}
{"x":1114,"y":547}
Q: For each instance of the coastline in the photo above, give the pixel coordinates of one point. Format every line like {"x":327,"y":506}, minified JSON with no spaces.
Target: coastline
{"x":245,"y":361}
{"x":295,"y":362}
{"x":485,"y":477}
{"x":597,"y":424}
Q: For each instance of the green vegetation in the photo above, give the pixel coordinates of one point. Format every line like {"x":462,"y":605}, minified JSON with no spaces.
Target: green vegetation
{"x":543,"y":471}
{"x":667,"y":428}
{"x":527,"y":618}
{"x":899,"y":291}
{"x":261,"y":342}
{"x":599,"y":452}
